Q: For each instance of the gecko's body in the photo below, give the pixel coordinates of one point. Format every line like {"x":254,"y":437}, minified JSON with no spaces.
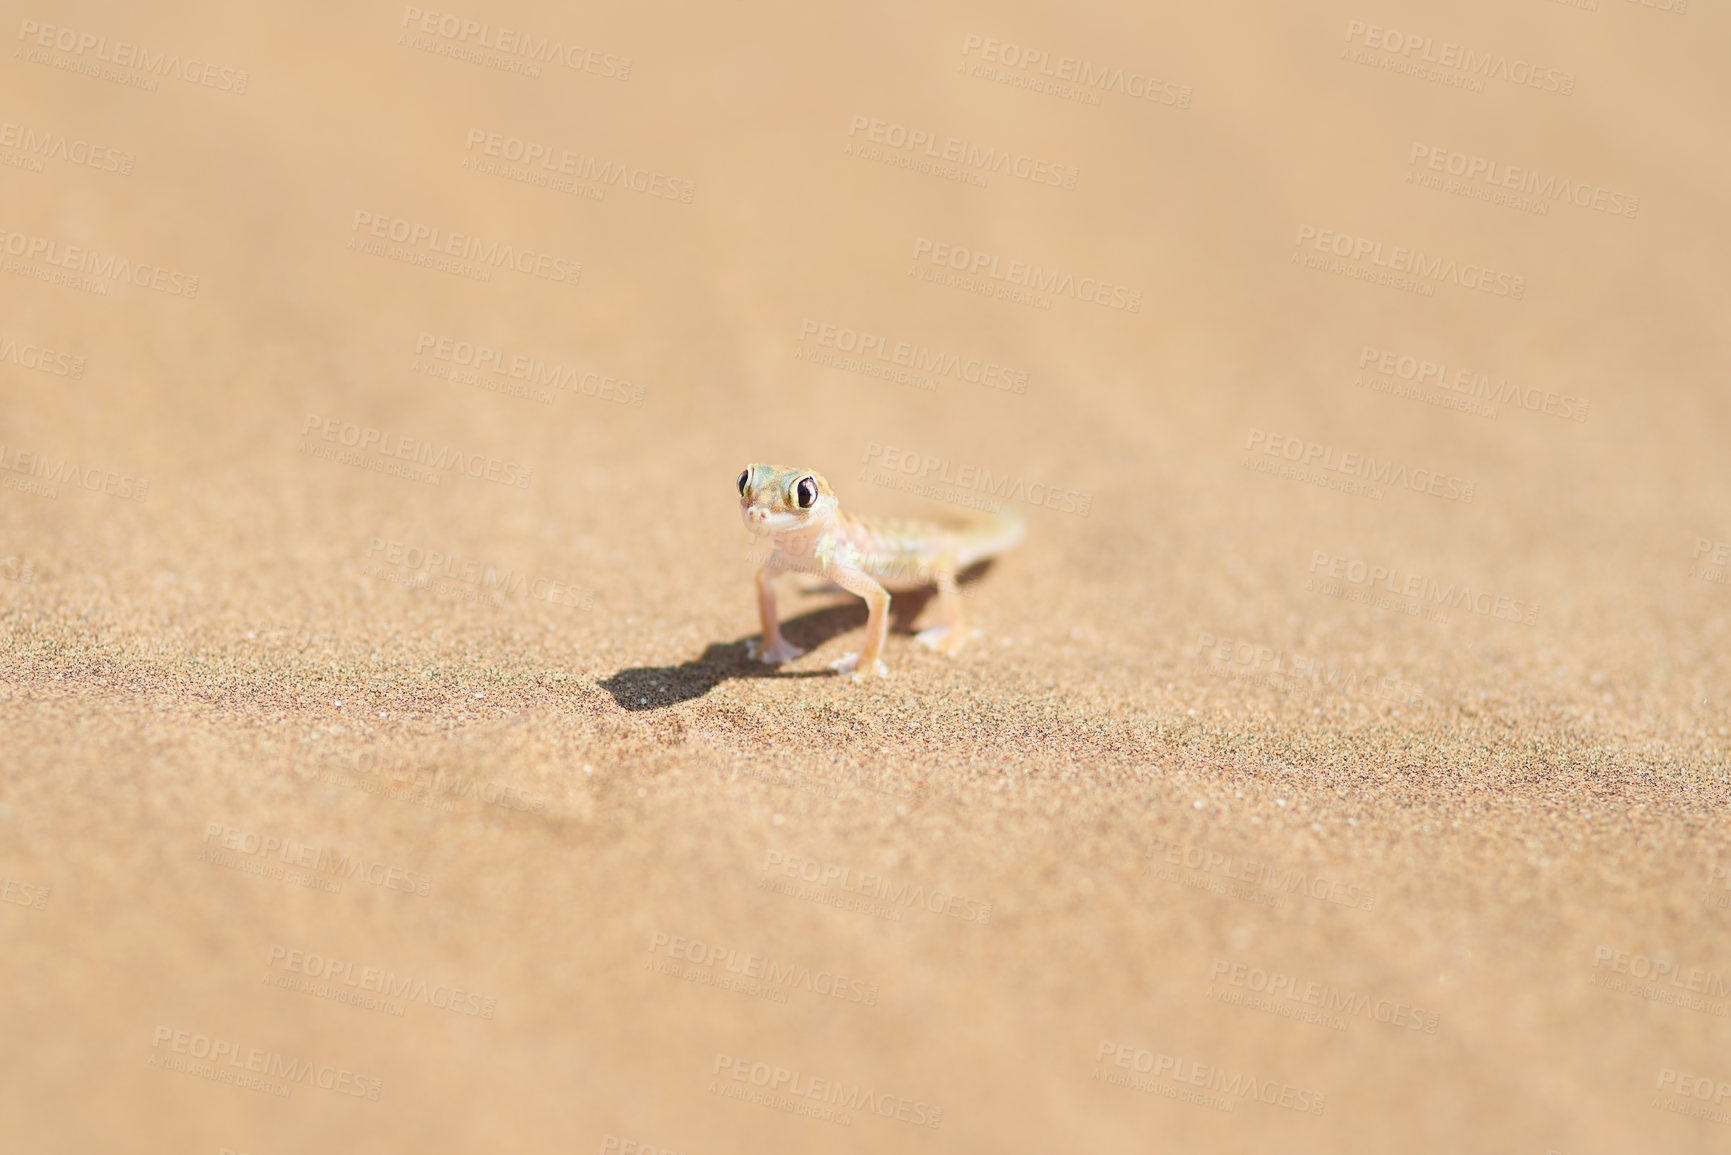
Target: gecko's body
{"x":812,"y":533}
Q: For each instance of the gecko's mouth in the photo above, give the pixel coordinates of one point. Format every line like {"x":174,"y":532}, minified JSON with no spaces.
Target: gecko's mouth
{"x":768,"y":523}
{"x":779,"y":522}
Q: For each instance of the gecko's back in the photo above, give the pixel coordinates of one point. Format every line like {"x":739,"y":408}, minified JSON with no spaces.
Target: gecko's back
{"x":904,"y":549}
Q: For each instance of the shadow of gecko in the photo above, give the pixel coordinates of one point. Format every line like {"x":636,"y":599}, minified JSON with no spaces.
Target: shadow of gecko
{"x":639,"y":688}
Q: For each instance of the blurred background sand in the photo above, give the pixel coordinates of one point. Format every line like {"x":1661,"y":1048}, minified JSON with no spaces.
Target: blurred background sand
{"x":1268,"y":813}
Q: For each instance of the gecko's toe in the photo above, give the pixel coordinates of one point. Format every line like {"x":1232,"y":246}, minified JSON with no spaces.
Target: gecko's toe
{"x":850,"y":664}
{"x":781,"y":651}
{"x":945,"y":639}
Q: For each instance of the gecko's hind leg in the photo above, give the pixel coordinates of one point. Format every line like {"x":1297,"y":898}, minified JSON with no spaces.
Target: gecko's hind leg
{"x":954,"y":633}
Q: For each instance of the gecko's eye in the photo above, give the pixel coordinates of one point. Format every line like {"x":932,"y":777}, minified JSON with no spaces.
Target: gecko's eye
{"x":744,"y":474}
{"x":805,"y":492}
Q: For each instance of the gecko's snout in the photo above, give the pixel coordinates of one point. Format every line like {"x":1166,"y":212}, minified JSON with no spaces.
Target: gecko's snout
{"x":756,"y":518}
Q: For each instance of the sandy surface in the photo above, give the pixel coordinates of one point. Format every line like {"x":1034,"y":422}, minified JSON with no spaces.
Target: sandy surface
{"x":382,"y":770}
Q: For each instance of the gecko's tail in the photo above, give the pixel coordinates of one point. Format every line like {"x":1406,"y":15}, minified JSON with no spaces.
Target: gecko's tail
{"x":990,"y":536}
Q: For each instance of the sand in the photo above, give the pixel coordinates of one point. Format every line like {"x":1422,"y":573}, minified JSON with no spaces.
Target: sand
{"x":1341,"y":766}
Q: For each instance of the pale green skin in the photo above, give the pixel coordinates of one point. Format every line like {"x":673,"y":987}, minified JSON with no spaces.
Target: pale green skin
{"x":859,"y":554}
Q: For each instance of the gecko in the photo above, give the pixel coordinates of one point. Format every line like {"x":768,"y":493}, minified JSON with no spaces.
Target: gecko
{"x":811,"y":533}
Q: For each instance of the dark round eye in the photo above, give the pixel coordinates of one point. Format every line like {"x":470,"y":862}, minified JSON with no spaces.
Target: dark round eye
{"x":742,"y":478}
{"x":806,"y":492}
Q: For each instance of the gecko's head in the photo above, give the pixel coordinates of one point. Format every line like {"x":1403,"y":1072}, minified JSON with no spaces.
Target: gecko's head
{"x":775,"y":500}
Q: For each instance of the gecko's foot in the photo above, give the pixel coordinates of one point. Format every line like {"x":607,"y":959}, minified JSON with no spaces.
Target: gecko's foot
{"x":850,"y":664}
{"x":773,"y":655}
{"x":945,"y":639}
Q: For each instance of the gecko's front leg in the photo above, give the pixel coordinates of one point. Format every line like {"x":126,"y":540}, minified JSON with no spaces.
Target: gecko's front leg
{"x":866,"y":663}
{"x":774,"y":649}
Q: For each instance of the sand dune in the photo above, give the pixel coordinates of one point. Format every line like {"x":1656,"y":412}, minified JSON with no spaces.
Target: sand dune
{"x":1342,"y":764}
